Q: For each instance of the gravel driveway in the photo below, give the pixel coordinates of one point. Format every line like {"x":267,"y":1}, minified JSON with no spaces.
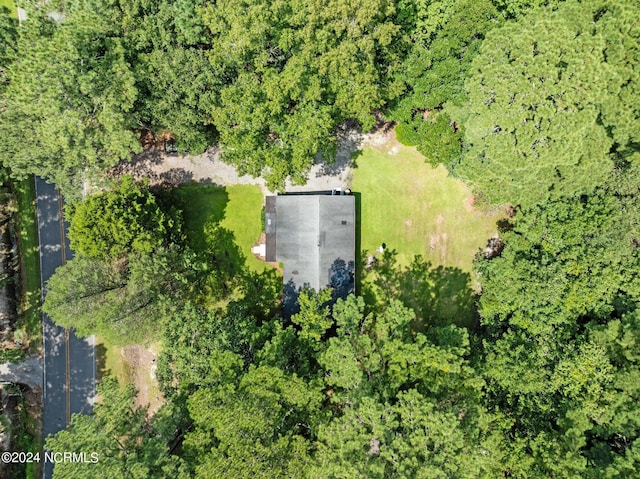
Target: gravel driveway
{"x":207,"y":168}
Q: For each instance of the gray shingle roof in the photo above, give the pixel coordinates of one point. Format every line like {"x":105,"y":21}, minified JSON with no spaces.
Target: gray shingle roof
{"x":314,"y":238}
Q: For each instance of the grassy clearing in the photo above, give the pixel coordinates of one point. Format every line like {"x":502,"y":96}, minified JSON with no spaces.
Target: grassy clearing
{"x":418,"y":210}
{"x":236,"y":208}
{"x":29,"y":322}
{"x":11,"y":6}
{"x":111,"y":363}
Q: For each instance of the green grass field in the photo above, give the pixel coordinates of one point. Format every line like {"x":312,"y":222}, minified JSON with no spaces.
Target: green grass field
{"x":11,"y":6}
{"x":236,"y":208}
{"x":30,"y":319}
{"x":29,"y":325}
{"x":418,"y":210}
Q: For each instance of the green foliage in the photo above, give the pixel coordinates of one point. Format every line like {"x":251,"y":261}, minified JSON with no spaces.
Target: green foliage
{"x":381,"y":355}
{"x":436,"y":137}
{"x":578,"y":255}
{"x":30,"y":320}
{"x":406,"y":135}
{"x":295,"y":71}
{"x":122,"y":300}
{"x":441,"y":141}
{"x":123,"y":220}
{"x":518,"y":8}
{"x":8,"y":40}
{"x":410,"y":437}
{"x":67,"y":108}
{"x":545,"y":120}
{"x":446,"y":38}
{"x":314,"y":318}
{"x":254,"y":427}
{"x":392,"y":384}
{"x":401,"y":381}
{"x":197,"y":343}
{"x":125,"y":440}
{"x":560,"y":307}
{"x":178,"y":85}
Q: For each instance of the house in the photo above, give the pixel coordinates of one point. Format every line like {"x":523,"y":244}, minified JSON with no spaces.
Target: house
{"x":314,"y":237}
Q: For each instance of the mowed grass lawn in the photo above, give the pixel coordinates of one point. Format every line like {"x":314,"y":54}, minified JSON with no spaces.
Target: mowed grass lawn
{"x":418,"y":210}
{"x":236,"y":208}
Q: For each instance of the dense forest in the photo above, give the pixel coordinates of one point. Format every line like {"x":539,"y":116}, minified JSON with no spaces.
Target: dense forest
{"x":533,"y":103}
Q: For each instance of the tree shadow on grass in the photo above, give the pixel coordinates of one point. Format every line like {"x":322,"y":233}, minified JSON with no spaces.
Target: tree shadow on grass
{"x":226,"y":259}
{"x":438,"y":296}
{"x":201,"y":206}
{"x":101,"y":361}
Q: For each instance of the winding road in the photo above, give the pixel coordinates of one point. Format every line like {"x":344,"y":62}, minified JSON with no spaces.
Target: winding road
{"x":69,"y":363}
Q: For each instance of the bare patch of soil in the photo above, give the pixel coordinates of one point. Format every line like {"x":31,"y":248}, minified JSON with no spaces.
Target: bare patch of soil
{"x":468,"y":204}
{"x":143,"y":365}
{"x":439,"y":241}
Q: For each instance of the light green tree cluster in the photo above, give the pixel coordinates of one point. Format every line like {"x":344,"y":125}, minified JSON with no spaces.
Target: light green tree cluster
{"x":553,"y":103}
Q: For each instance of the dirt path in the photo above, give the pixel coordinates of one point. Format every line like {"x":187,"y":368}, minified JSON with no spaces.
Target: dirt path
{"x":207,"y":168}
{"x":142,"y":364}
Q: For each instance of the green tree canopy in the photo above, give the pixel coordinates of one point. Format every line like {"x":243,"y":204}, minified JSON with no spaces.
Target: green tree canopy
{"x":124,"y":438}
{"x":123,"y":300}
{"x":128,"y":218}
{"x":8,"y":39}
{"x":446,"y":37}
{"x":67,"y":109}
{"x":254,"y":426}
{"x":560,"y":311}
{"x":293,"y":72}
{"x":553,"y":103}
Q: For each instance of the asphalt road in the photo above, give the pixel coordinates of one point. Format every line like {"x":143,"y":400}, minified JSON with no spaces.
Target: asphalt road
{"x":69,"y":362}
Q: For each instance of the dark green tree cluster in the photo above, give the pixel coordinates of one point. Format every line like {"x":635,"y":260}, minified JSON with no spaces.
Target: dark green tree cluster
{"x":446,"y":36}
{"x":294,"y":71}
{"x":560,"y":307}
{"x":127,"y":443}
{"x":272,"y":81}
{"x":68,"y":105}
{"x":89,"y":76}
{"x":128,"y":218}
{"x":334,"y":393}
